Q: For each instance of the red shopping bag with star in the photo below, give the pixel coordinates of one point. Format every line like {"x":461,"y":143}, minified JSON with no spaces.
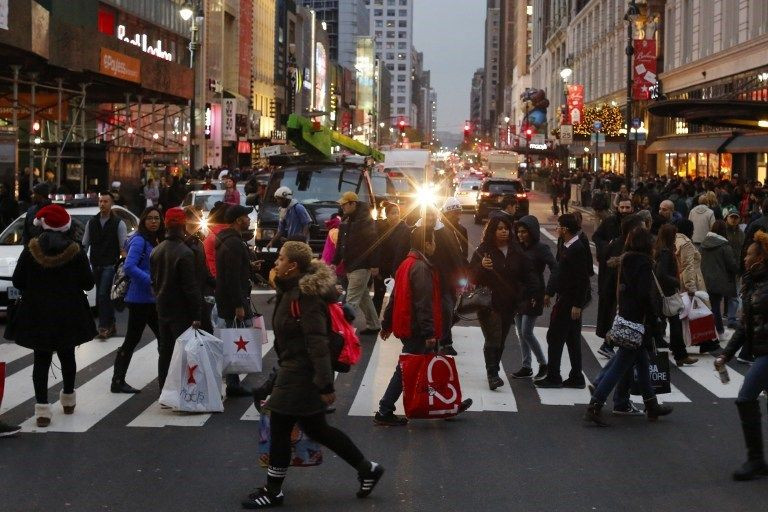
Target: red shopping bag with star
{"x":431,"y":388}
{"x":193,"y":383}
{"x":242,"y":346}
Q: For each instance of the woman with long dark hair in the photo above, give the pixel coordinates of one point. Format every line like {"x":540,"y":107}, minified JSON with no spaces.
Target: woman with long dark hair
{"x":636,"y":301}
{"x":140,"y":299}
{"x":500,"y":264}
{"x":665,"y":265}
{"x":752,"y":335}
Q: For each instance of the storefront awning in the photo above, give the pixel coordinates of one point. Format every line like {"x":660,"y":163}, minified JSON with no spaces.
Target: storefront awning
{"x":734,"y":113}
{"x":706,"y":144}
{"x":748,"y":143}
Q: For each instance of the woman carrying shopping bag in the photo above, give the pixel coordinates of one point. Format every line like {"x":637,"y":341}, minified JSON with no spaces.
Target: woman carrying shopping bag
{"x":499,"y":264}
{"x":53,"y":314}
{"x":139,"y":298}
{"x":637,"y":312}
{"x":304,"y":384}
{"x":752,"y":334}
{"x":719,"y":267}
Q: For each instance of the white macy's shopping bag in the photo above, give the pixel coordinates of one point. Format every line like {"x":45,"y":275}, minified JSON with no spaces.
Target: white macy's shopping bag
{"x":194,"y":377}
{"x":242,"y":347}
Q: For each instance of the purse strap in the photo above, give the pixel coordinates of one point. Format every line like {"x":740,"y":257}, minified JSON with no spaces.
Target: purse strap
{"x":658,"y":286}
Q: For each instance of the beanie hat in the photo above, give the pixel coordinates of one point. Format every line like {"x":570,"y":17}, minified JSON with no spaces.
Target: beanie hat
{"x":175,"y":217}
{"x":451,"y":204}
{"x":53,"y":218}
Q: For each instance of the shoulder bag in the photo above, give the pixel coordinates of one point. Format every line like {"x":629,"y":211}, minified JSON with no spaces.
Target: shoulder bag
{"x":473,"y":301}
{"x":671,"y":305}
{"x":624,"y":333}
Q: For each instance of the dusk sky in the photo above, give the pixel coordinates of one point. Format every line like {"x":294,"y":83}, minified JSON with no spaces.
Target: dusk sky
{"x":450,"y":34}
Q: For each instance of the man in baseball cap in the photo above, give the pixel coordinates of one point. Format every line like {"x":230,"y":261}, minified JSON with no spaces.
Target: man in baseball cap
{"x":294,"y":218}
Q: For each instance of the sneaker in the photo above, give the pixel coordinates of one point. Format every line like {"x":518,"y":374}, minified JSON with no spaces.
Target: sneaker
{"x":745,"y":359}
{"x":494,"y":381}
{"x":606,"y":351}
{"x":103,"y":334}
{"x":8,"y":430}
{"x":628,"y":410}
{"x":448,"y":350}
{"x":523,"y":373}
{"x":574,"y":383}
{"x":369,"y":479}
{"x":547,"y":383}
{"x":263,"y":499}
{"x":389,"y":420}
{"x":686,"y":360}
{"x":542,"y":374}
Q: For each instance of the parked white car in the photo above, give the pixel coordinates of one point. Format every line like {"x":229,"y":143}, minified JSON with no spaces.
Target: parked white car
{"x":466,"y":195}
{"x":11,"y":244}
{"x":206,"y":199}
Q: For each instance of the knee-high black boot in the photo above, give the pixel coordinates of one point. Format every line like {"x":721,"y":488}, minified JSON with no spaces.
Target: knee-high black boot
{"x":751,"y":426}
{"x":122,"y":360}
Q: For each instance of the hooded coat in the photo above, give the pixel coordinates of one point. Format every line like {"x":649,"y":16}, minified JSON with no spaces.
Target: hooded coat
{"x":52,"y":274}
{"x":511,"y":279}
{"x":719,"y":265}
{"x":689,"y":265}
{"x":540,"y":257}
{"x":301,"y":343}
{"x":703,"y":218}
{"x":358,"y":246}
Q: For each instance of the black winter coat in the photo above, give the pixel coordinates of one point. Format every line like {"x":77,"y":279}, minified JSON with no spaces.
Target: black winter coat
{"x":511,"y":280}
{"x":301,"y":343}
{"x":52,"y":274}
{"x":606,"y":305}
{"x":422,"y":319}
{"x":448,"y":259}
{"x":571,"y":282}
{"x":357,"y":245}
{"x":752,"y":331}
{"x":540,"y":257}
{"x":174,"y":282}
{"x":666,"y":272}
{"x":233,"y":267}
{"x":395,"y":244}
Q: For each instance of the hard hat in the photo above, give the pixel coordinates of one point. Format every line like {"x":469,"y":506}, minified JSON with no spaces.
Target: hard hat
{"x":451,"y":204}
{"x":283,"y":192}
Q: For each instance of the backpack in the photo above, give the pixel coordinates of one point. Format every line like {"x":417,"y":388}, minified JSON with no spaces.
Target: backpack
{"x":343,"y":343}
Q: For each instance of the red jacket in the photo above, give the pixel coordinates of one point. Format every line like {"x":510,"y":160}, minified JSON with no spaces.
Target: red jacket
{"x":209,"y":245}
{"x":415,"y":309}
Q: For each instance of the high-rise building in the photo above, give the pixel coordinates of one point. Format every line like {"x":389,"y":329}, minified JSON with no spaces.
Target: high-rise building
{"x":392,"y":28}
{"x":492,"y":34}
{"x":515,"y":43}
{"x":476,"y":98}
{"x":345,"y":21}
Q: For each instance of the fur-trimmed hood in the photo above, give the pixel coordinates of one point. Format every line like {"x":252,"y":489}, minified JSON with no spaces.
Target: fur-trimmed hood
{"x":319,"y":280}
{"x":52,"y":252}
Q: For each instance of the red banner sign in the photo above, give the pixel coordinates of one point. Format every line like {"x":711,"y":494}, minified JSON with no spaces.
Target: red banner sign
{"x":644,"y":68}
{"x":575,"y":103}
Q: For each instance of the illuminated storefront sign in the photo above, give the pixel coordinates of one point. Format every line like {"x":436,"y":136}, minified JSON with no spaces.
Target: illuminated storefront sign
{"x":141,"y":41}
{"x":321,"y":75}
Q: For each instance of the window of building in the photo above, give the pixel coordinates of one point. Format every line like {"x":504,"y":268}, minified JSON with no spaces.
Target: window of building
{"x":391,"y":12}
{"x":687,"y":19}
{"x":391,"y":34}
{"x":390,"y":45}
{"x":401,"y":67}
{"x":401,"y":110}
{"x":378,"y":23}
{"x":378,"y":34}
{"x":400,"y":78}
{"x":402,"y":23}
{"x":402,"y":35}
{"x":402,"y":45}
{"x":401,"y":89}
{"x":403,"y":12}
{"x":390,"y":56}
{"x":390,"y":23}
{"x":404,"y":2}
{"x":401,"y":99}
{"x":378,"y":12}
{"x":391,"y":67}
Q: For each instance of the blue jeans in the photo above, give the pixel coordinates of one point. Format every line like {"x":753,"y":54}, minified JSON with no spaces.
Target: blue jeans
{"x":395,"y":386}
{"x":755,"y":381}
{"x":621,"y":397}
{"x":717,"y":309}
{"x":733,"y":310}
{"x":528,"y":341}
{"x":618,"y":366}
{"x":104,"y":277}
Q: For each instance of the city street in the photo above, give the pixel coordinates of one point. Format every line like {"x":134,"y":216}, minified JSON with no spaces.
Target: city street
{"x":518,"y":448}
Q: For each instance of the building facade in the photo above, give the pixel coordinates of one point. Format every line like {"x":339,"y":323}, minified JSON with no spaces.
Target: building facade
{"x":345,"y":21}
{"x":492,"y":65}
{"x":392,"y":28}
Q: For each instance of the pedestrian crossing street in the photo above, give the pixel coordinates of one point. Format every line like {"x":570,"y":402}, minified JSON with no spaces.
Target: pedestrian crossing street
{"x":95,"y":402}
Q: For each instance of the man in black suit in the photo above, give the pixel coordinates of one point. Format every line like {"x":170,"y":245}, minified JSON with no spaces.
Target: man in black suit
{"x":572,"y":286}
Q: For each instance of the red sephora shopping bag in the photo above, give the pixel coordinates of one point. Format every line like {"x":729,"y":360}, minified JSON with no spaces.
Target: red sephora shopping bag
{"x":431,"y":388}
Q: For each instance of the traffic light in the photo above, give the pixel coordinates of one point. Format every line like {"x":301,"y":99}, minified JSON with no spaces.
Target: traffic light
{"x":401,"y":125}
{"x":528,"y":133}
{"x":467,"y":131}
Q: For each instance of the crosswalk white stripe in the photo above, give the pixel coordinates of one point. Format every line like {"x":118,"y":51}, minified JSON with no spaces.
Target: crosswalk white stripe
{"x":470,"y":363}
{"x":95,"y":401}
{"x":560,"y":396}
{"x":594,"y":342}
{"x":10,"y":352}
{"x":156,"y":417}
{"x":704,"y":374}
{"x":377,"y":375}
{"x":18,"y":387}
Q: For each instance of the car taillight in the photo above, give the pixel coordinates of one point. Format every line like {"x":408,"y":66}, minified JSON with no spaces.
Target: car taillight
{"x":522,"y":196}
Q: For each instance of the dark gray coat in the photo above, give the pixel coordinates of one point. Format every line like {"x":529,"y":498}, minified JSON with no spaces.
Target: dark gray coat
{"x":718,"y":265}
{"x":301,"y":343}
{"x":172,"y":270}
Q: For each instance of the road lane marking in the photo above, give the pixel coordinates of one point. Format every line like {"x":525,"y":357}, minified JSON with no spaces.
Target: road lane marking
{"x":560,"y":396}
{"x":704,"y":374}
{"x":10,"y":352}
{"x":95,"y":401}
{"x":594,"y":342}
{"x":18,"y":386}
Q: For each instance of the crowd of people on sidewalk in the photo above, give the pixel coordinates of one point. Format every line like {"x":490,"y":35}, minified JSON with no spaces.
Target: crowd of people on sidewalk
{"x":698,"y":238}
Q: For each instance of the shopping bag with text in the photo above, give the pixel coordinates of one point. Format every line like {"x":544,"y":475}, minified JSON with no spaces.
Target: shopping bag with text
{"x":431,"y":388}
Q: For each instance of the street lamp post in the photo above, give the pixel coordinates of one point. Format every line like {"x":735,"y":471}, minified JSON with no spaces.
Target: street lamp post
{"x":565,"y":74}
{"x":191,"y":10}
{"x":632,"y":13}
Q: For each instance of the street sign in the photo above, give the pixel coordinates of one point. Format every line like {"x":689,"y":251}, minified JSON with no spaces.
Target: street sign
{"x":539,"y":139}
{"x":598,"y":137}
{"x":268,"y":151}
{"x":636,"y":122}
{"x":597,"y":126}
{"x":566,"y":134}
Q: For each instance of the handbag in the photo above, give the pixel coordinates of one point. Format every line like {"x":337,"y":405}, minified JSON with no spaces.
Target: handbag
{"x":671,"y":305}
{"x":304,"y":451}
{"x":624,"y":333}
{"x":661,"y":379}
{"x":121,"y":282}
{"x":473,"y":301}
